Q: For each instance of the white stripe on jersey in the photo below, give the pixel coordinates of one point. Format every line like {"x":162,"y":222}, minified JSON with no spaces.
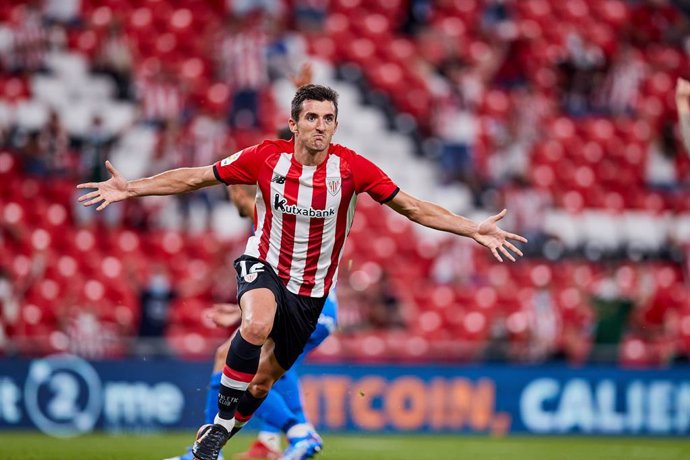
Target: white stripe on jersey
{"x":301,"y":243}
{"x":253,"y":242}
{"x":273,"y":255}
{"x":328,"y":239}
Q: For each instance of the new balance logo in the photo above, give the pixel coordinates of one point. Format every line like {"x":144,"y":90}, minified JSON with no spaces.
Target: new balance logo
{"x":278,"y":179}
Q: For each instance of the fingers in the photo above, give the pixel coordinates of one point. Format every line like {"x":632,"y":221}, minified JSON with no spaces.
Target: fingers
{"x":103,"y":205}
{"x":499,"y":216}
{"x":96,"y":200}
{"x":506,"y":253}
{"x":513,"y":236}
{"x":513,"y":248}
{"x":88,"y":185}
{"x":496,"y":255}
{"x":111,"y":168}
{"x":88,"y":196}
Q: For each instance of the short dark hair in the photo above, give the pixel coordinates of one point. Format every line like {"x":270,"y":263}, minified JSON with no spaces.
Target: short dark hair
{"x":314,"y":93}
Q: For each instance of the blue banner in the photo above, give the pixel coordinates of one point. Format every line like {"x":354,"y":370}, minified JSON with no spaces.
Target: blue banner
{"x":67,"y":396}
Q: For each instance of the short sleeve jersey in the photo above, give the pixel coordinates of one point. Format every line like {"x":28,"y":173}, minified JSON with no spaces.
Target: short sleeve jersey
{"x":303,"y":213}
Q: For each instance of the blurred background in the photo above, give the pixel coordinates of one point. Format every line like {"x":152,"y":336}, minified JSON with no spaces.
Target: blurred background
{"x":561,"y":111}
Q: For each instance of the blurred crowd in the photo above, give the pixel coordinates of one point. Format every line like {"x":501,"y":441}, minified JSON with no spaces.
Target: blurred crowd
{"x":196,"y":77}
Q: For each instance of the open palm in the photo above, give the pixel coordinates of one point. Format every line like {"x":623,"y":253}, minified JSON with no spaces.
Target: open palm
{"x":110,"y":191}
{"x":491,"y":236}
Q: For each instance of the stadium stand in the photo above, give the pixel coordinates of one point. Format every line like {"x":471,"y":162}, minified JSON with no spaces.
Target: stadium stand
{"x":599,"y":184}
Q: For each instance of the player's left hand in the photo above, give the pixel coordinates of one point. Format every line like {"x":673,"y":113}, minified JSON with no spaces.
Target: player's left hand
{"x":224,"y":314}
{"x":109,"y":191}
{"x":489,"y":235}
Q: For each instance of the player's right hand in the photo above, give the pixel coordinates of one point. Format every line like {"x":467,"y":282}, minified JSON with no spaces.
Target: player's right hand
{"x":304,"y":77}
{"x":110,"y":191}
{"x":225,"y":314}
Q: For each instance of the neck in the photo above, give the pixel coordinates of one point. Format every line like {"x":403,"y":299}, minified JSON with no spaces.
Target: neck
{"x":308,"y":157}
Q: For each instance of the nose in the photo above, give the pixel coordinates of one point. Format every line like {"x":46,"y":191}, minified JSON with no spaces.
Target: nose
{"x":320,"y":124}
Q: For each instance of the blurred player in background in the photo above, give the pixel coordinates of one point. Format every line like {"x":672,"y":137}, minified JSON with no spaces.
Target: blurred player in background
{"x":683,"y":106}
{"x":307,"y":189}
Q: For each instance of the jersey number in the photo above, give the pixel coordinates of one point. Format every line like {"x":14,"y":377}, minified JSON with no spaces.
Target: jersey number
{"x":256,"y":268}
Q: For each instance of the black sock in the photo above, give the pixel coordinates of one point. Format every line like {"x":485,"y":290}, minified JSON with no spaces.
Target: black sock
{"x":246,"y":407}
{"x":240,"y":367}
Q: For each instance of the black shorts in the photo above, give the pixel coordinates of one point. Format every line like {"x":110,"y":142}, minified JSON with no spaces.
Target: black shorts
{"x":296,"y":315}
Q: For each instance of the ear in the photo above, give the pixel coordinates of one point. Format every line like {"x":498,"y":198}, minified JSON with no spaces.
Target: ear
{"x":292,"y":124}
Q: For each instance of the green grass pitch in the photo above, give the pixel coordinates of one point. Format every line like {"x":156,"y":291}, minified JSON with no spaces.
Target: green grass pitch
{"x":34,"y":446}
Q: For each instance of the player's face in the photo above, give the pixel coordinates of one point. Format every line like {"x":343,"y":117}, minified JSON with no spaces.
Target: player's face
{"x":316,"y":125}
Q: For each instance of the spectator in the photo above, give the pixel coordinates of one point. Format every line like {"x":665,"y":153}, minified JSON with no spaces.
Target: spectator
{"x":155,"y":297}
{"x":242,"y":65}
{"x":206,"y":136}
{"x":88,"y":336}
{"x":660,"y":170}
{"x":545,"y":326}
{"x":161,"y":98}
{"x":510,"y":156}
{"x":62,"y":11}
{"x":612,"y":308}
{"x":241,"y":9}
{"x":580,"y":73}
{"x":384,"y":310}
{"x":116,"y":58}
{"x":656,"y":21}
{"x":417,"y":16}
{"x":29,"y":40}
{"x":454,"y":264}
{"x":55,"y":142}
{"x":456,"y":124}
{"x":95,"y":150}
{"x":530,"y":205}
{"x":310,"y":15}
{"x":618,"y":95}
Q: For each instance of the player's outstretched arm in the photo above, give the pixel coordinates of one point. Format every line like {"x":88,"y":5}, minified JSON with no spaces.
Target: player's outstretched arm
{"x":171,"y":182}
{"x":683,"y":106}
{"x":486,"y":233}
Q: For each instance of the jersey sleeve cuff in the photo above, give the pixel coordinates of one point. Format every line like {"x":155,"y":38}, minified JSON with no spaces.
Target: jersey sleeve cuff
{"x":391,"y":196}
{"x":217,"y":174}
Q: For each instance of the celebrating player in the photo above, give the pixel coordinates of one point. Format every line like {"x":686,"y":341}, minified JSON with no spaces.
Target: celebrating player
{"x":305,"y":205}
{"x":282,"y":411}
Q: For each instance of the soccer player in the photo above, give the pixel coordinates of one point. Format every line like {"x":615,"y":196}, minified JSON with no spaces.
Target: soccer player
{"x":305,"y":204}
{"x":683,"y":106}
{"x":282,"y":410}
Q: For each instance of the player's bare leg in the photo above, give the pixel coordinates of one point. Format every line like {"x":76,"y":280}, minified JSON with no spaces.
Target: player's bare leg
{"x":235,"y":404}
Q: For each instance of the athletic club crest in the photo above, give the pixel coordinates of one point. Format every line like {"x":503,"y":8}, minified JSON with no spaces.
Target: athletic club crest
{"x":249,"y":278}
{"x":333,"y":185}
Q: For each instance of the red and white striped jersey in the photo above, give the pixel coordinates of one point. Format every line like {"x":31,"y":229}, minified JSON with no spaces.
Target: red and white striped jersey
{"x":304,"y":213}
